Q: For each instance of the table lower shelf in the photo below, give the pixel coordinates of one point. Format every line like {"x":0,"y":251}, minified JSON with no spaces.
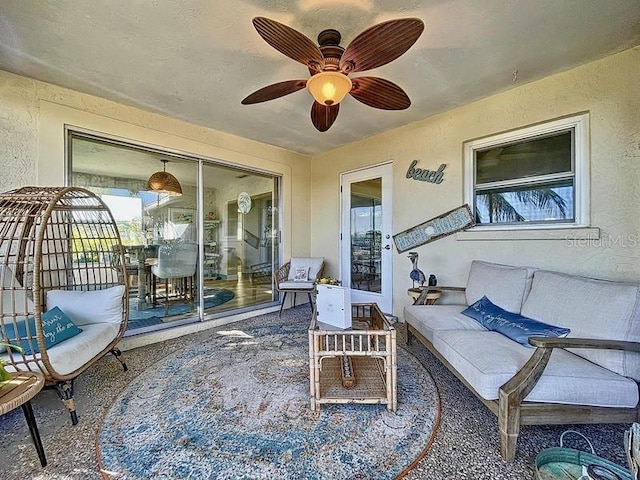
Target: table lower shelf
{"x":370,"y":384}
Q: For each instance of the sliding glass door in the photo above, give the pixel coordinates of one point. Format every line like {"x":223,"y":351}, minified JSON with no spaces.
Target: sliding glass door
{"x":200,"y":237}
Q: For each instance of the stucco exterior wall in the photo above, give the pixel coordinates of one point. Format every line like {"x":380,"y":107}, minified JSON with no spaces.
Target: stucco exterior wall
{"x":607,"y":89}
{"x":33,"y":116}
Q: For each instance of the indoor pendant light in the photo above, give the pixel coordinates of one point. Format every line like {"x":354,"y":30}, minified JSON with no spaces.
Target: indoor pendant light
{"x":329,"y":88}
{"x":164,"y":182}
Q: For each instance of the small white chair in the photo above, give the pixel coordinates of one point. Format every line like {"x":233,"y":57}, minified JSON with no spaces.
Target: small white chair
{"x":299,"y":275}
{"x":176,"y":262}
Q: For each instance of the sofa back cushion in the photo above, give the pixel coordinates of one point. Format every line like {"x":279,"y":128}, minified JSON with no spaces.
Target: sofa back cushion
{"x":591,"y":309}
{"x":504,"y":285}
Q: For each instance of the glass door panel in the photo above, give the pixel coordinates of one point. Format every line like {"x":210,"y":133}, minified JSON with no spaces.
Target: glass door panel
{"x":228,"y":216}
{"x":366,"y":256}
{"x":366,"y":245}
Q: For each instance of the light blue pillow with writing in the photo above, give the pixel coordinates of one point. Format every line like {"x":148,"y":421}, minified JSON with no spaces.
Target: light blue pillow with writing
{"x":512,"y":325}
{"x":56,"y":326}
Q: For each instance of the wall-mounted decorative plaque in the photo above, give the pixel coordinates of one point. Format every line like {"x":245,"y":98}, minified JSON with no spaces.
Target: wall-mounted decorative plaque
{"x":451,"y":222}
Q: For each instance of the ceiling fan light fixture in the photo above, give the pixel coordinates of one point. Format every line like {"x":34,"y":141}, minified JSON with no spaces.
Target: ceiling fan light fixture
{"x":329,"y":88}
{"x":164,"y":182}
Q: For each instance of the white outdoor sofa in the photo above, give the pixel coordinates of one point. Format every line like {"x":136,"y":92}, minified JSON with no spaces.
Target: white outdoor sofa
{"x":589,"y":376}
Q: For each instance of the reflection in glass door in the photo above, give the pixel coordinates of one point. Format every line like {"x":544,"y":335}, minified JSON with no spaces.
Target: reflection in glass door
{"x":223,"y":227}
{"x":366,"y":255}
{"x":366,"y":245}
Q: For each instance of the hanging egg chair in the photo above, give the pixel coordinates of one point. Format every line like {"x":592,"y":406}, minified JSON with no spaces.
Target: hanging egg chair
{"x":63,"y":284}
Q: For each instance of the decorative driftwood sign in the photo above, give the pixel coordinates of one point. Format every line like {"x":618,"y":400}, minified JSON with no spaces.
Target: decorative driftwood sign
{"x":451,"y":222}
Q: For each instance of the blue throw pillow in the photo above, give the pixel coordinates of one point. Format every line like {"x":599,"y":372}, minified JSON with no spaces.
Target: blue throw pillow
{"x":56,"y":325}
{"x":512,"y":325}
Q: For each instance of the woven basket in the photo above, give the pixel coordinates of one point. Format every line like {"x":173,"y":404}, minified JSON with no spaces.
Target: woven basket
{"x":558,"y":463}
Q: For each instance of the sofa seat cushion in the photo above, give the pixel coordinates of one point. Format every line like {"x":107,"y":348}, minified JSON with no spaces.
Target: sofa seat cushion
{"x":504,"y":285}
{"x":487,"y":360}
{"x":591,"y":309}
{"x":432,"y":318}
{"x":76,"y":352}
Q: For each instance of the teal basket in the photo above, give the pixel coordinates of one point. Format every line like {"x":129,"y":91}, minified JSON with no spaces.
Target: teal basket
{"x":560,"y":463}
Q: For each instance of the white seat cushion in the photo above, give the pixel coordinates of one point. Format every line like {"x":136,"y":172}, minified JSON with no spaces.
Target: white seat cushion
{"x":70,"y":355}
{"x":296,"y":286}
{"x":487,"y":360}
{"x":504,"y":285}
{"x":432,"y":318}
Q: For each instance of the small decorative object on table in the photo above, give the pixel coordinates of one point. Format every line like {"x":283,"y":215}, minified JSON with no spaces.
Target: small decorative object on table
{"x":433,"y":281}
{"x":4,"y":375}
{"x":333,"y":305}
{"x":416,"y":274}
{"x":348,"y":375}
{"x":328,"y":281}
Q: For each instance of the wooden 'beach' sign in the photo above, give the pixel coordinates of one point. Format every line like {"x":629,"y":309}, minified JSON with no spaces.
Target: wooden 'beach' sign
{"x":451,"y":222}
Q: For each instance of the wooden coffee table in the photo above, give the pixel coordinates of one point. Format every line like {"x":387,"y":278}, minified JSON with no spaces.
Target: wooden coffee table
{"x":357,"y":365}
{"x":18,"y":392}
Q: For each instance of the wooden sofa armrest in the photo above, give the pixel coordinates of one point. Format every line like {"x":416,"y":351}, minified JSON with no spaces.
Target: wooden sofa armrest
{"x":523,"y":382}
{"x":520,"y":385}
{"x":547,"y":342}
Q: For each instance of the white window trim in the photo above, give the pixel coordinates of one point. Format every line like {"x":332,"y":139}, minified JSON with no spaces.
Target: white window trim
{"x":580,"y":125}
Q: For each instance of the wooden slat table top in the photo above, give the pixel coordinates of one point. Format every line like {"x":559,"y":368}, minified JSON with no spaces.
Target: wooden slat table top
{"x":21,"y":388}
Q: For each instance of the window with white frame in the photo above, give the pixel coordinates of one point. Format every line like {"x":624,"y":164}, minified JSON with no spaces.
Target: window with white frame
{"x":534,"y":177}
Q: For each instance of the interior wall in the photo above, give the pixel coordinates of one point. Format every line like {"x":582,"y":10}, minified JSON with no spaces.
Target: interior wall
{"x":33,"y":115}
{"x":607,"y":89}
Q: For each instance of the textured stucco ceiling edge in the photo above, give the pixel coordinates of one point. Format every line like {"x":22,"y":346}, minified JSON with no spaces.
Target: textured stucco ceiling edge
{"x":50,"y":92}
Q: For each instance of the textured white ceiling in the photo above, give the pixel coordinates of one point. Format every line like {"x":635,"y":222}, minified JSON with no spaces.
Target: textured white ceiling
{"x":197,"y":59}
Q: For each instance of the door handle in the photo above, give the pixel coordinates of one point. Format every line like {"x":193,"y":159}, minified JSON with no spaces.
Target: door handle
{"x":387,"y":247}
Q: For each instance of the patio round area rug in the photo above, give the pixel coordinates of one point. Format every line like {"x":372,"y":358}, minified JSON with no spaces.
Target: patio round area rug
{"x":236,"y":406}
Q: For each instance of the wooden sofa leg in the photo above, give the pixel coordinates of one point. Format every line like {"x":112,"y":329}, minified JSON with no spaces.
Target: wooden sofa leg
{"x":409,"y":336}
{"x":509,"y":424}
{"x":65,"y":392}
{"x":118,"y":354}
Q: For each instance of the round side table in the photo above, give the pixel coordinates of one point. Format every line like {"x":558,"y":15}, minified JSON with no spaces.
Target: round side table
{"x":18,"y":392}
{"x":424,"y":295}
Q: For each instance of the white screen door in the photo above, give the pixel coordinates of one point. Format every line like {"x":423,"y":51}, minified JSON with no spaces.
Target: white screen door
{"x":365,"y":246}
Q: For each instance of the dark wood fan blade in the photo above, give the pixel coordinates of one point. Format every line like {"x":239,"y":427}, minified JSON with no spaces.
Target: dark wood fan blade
{"x":380,"y":44}
{"x":275,"y":90}
{"x":379,"y":93}
{"x":323,"y":116}
{"x":290,"y":42}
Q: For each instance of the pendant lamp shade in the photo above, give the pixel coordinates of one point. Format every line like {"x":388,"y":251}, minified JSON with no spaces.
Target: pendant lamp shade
{"x":164,"y":182}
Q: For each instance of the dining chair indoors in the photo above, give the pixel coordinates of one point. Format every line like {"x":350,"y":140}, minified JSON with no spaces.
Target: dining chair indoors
{"x":176,"y":267}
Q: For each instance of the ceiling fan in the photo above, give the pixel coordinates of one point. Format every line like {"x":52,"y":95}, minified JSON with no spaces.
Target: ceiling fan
{"x":330,"y":64}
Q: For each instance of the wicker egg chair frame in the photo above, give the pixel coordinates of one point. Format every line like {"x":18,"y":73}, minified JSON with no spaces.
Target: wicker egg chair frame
{"x":62,"y":238}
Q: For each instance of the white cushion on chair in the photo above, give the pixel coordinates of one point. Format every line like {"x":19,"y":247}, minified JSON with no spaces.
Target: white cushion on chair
{"x":91,"y":306}
{"x":68,"y":356}
{"x":14,"y":298}
{"x":296,"y":286}
{"x":313,"y":264}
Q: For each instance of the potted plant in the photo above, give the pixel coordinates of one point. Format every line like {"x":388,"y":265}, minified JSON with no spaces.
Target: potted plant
{"x":4,"y":375}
